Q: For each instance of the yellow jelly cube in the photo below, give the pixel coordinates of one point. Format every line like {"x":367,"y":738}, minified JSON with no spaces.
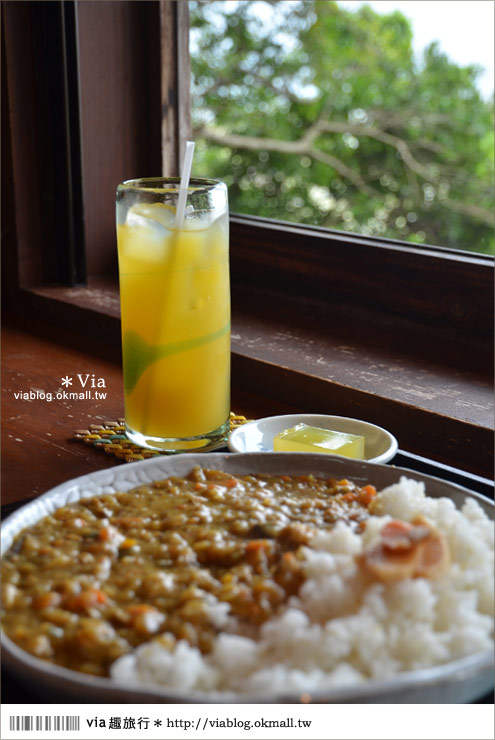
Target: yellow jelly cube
{"x":303,"y":438}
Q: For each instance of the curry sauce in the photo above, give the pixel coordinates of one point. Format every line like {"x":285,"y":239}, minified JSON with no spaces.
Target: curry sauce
{"x":99,"y":577}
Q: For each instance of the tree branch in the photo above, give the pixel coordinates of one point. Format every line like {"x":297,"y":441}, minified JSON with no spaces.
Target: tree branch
{"x":387,"y":119}
{"x":470,"y":209}
{"x":305,"y":146}
{"x":374,"y":133}
{"x":401,"y":146}
{"x":300,"y":147}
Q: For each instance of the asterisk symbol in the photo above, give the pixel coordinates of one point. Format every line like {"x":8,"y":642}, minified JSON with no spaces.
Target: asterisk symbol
{"x":158,"y":722}
{"x":66,"y":381}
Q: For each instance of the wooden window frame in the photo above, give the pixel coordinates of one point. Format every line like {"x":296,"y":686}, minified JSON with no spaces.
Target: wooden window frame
{"x":447,"y":290}
{"x":441,"y":288}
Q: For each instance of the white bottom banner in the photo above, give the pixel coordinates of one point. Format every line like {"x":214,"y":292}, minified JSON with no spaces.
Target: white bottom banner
{"x":260,"y":721}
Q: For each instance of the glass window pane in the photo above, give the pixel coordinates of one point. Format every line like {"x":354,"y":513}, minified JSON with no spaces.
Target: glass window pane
{"x":353,"y":116}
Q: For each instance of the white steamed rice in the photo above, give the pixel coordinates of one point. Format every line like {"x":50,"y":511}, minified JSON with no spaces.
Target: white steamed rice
{"x":343,"y":629}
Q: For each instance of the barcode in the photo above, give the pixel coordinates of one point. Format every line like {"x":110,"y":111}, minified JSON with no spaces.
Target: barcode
{"x":56,"y":723}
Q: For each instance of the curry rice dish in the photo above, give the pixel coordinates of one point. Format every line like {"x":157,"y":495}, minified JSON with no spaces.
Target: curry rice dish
{"x":251,"y":583}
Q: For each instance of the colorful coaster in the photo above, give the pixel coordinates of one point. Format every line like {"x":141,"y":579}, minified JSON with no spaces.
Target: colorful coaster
{"x":110,"y":437}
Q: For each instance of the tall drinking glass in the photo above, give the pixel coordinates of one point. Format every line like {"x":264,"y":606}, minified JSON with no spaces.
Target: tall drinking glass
{"x":175,"y":310}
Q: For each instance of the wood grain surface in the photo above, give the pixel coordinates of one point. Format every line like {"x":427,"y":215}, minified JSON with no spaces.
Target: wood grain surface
{"x":38,"y":451}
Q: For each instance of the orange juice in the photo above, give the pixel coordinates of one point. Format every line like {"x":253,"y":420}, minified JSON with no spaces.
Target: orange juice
{"x":175,"y":310}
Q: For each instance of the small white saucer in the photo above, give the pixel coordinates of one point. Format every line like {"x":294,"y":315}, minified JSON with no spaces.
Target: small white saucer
{"x":257,"y":436}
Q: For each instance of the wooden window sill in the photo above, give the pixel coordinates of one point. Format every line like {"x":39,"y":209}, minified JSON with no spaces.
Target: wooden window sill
{"x":306,"y":355}
{"x":321,"y":360}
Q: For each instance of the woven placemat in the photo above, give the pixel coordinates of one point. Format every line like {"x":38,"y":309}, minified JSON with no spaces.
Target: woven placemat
{"x":110,"y":437}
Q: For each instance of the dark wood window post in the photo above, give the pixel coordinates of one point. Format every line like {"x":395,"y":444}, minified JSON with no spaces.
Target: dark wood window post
{"x":175,"y":87}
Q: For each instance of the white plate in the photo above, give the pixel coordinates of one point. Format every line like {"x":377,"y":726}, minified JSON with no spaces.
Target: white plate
{"x":457,"y":682}
{"x":258,"y":435}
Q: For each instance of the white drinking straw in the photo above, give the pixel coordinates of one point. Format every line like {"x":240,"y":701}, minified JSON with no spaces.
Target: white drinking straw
{"x":184,"y":184}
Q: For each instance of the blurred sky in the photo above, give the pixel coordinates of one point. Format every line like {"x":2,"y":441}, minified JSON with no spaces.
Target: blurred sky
{"x":463,"y":28}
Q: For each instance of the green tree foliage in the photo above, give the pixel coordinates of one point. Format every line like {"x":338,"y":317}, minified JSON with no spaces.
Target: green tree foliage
{"x":318,"y":114}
